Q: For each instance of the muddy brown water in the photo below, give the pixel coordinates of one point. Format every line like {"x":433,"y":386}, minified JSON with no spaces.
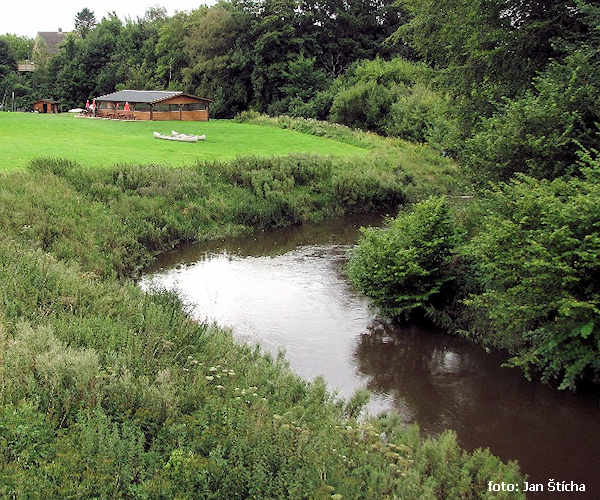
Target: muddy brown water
{"x":286,"y":289}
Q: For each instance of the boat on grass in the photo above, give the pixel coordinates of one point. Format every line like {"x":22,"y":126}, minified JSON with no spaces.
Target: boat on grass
{"x":176,"y":136}
{"x":179,"y":134}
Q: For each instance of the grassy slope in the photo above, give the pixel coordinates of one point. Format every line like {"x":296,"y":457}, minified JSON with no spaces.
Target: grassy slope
{"x":106,"y":392}
{"x":105,"y":142}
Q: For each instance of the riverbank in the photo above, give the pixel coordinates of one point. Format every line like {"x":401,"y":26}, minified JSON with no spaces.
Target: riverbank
{"x":286,"y":289}
{"x":112,"y":393}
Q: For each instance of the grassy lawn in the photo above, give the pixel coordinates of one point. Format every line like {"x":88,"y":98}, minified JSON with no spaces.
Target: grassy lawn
{"x":98,"y":142}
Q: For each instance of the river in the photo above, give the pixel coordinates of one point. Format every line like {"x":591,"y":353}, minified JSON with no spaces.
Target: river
{"x":286,"y":289}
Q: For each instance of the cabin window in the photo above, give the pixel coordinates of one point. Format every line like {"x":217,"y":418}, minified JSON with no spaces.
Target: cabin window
{"x":195,"y":106}
{"x":166,"y":107}
{"x":142,"y":107}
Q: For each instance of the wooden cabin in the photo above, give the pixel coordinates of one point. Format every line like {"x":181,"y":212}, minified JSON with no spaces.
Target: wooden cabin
{"x":46,"y":106}
{"x":153,"y":105}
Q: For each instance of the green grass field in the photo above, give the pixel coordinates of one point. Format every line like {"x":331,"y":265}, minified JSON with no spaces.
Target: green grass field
{"x":99,"y":142}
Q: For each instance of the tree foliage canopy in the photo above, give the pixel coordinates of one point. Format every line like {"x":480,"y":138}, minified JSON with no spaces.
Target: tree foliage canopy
{"x":85,"y":21}
{"x":239,"y":53}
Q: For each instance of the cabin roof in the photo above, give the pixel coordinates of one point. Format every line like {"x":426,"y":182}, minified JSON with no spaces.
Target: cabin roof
{"x":145,"y":96}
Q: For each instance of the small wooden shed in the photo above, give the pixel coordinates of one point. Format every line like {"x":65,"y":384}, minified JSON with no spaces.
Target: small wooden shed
{"x":153,"y":105}
{"x":46,"y":106}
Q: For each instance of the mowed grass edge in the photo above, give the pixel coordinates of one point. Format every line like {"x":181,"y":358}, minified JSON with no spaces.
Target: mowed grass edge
{"x":99,"y":142}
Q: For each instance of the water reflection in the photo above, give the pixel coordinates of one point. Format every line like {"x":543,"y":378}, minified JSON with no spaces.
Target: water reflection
{"x":443,"y":382}
{"x":336,"y":231}
{"x":286,"y":289}
{"x":422,"y":370}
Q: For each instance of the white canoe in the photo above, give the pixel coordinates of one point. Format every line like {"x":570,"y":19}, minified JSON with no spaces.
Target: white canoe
{"x":179,"y":138}
{"x":179,"y":134}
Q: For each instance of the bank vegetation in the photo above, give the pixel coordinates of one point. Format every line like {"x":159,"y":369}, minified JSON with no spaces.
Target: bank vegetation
{"x":110,"y":392}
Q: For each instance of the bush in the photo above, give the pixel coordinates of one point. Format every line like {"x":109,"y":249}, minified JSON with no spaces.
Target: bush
{"x":60,"y":378}
{"x":420,"y":114}
{"x":364,"y":105}
{"x":538,"y":134}
{"x":535,"y":261}
{"x":394,"y":98}
{"x":407,"y":266}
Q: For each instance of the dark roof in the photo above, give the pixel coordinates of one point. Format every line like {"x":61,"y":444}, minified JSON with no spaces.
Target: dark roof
{"x":143,"y":96}
{"x":52,"y":40}
{"x":50,"y":101}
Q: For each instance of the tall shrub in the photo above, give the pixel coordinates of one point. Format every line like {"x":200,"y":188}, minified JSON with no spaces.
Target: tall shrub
{"x":394,"y":98}
{"x":407,"y":266}
{"x":536,"y":263}
{"x":539,"y":133}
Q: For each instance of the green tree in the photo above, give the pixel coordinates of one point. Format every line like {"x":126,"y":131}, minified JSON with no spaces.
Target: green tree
{"x":42,"y":76}
{"x":341,"y":32}
{"x":134,"y":56}
{"x":284,"y":40}
{"x":303,"y":80}
{"x":541,"y":133}
{"x":8,"y":67}
{"x":19,"y":46}
{"x":486,"y":50}
{"x":276,"y":43}
{"x":215,"y":70}
{"x":85,"y":21}
{"x":8,"y":63}
{"x":15,"y":48}
{"x":97,"y":53}
{"x":172,"y":58}
{"x":71,"y":82}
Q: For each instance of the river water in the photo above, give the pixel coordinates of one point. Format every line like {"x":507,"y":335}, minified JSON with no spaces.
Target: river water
{"x":286,"y":289}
